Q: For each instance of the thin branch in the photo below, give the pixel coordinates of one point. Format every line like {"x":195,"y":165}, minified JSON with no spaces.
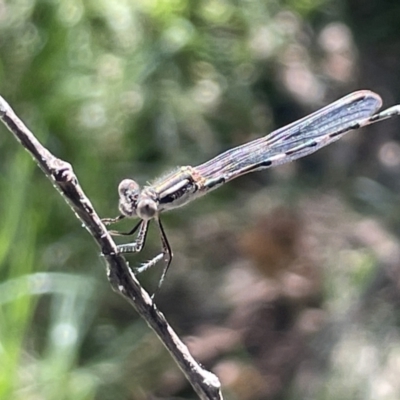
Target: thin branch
{"x":121,"y":277}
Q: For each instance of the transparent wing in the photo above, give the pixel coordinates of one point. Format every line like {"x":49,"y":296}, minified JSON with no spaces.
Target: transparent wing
{"x":296,"y":140}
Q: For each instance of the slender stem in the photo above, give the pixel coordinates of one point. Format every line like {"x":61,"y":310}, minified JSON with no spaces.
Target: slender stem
{"x":122,"y":279}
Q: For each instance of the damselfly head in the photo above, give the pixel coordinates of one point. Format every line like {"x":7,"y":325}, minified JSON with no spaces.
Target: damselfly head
{"x":128,"y":191}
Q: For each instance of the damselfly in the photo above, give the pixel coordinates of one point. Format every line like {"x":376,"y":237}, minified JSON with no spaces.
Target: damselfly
{"x":289,"y":143}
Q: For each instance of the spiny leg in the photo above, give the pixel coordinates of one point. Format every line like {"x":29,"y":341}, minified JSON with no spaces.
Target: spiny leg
{"x":166,"y":251}
{"x":166,"y":254}
{"x":150,"y":263}
{"x":109,"y":221}
{"x":137,"y":245}
{"x":131,"y":232}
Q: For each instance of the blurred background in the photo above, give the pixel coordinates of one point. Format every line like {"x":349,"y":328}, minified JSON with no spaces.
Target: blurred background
{"x":285,"y":282}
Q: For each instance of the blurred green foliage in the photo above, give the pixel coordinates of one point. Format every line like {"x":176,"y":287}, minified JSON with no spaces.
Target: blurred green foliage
{"x":125,"y":88}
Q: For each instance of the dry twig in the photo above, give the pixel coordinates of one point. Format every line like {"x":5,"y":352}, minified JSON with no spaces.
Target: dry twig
{"x":121,"y":277}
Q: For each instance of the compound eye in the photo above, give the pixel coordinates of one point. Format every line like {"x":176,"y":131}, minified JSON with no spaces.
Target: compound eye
{"x":128,"y":188}
{"x":128,"y":191}
{"x":146,"y":209}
